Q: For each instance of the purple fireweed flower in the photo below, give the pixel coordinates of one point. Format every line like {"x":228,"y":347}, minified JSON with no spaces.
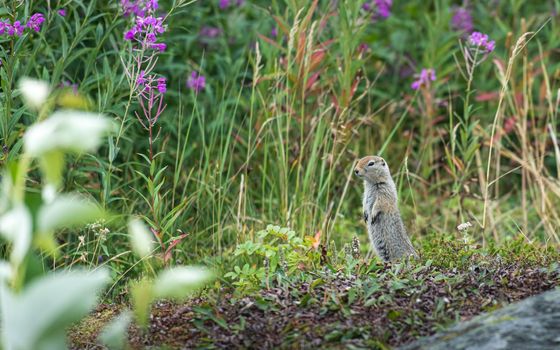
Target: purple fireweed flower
{"x":196,"y":82}
{"x":152,"y":5}
{"x":146,"y":30}
{"x":462,"y":20}
{"x":490,"y":46}
{"x":209,"y":32}
{"x":67,"y":84}
{"x":424,"y":79}
{"x":141,"y":80}
{"x":482,"y":41}
{"x":129,"y":7}
{"x":224,"y":4}
{"x":18,"y":28}
{"x":384,"y":7}
{"x":10,"y":29}
{"x":129,"y":35}
{"x":138,"y":7}
{"x":35,"y":22}
{"x":162,"y":85}
{"x":151,"y":38}
{"x":62,"y":12}
{"x":274,"y":32}
{"x":379,"y":8}
{"x":15,"y":29}
{"x":159,"y":46}
{"x":362,"y":48}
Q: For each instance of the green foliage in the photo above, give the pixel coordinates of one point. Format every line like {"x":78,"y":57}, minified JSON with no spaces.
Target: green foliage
{"x":272,"y":138}
{"x":274,"y":249}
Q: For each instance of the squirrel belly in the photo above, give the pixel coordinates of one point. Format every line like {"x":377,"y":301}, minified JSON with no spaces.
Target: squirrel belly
{"x":385,"y":227}
{"x":389,"y":237}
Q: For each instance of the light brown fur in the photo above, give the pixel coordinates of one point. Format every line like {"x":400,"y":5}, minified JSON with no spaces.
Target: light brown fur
{"x":381,"y":213}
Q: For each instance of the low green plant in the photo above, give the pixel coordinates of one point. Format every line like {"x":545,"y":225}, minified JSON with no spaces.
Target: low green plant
{"x":275,"y":250}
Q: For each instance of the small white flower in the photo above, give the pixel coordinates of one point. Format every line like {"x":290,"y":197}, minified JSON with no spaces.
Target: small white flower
{"x":35,"y":92}
{"x":464,"y":226}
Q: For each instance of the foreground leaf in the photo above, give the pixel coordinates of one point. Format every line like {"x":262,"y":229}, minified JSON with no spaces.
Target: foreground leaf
{"x":140,"y":238}
{"x":178,"y":282}
{"x":114,"y":335}
{"x":69,"y":131}
{"x":15,"y":226}
{"x":38,"y":317}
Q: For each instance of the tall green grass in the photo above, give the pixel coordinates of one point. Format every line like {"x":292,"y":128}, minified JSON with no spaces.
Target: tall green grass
{"x":274,"y":136}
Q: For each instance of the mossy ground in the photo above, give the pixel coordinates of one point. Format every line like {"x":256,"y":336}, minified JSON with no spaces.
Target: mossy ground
{"x":369,"y":305}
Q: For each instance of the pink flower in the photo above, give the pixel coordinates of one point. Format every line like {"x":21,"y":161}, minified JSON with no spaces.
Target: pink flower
{"x":224,"y":4}
{"x":210,"y":32}
{"x":424,"y":79}
{"x":481,"y":40}
{"x":159,"y":46}
{"x":162,"y":85}
{"x":62,"y":12}
{"x":379,"y":8}
{"x":130,"y":34}
{"x":462,"y":20}
{"x":35,"y":22}
{"x":196,"y":82}
{"x":141,"y":80}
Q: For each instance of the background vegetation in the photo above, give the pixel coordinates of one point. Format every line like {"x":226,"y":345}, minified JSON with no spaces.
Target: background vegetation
{"x":266,"y":106}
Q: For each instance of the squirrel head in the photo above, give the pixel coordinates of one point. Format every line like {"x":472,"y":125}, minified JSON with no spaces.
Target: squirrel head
{"x":373,"y":169}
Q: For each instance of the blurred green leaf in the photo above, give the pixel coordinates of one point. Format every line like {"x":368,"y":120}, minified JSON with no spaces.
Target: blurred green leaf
{"x":114,"y":335}
{"x":142,"y":295}
{"x":38,"y":317}
{"x":52,"y":165}
{"x":178,"y":282}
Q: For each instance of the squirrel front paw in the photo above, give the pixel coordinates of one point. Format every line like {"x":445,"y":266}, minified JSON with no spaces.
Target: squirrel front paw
{"x":365,"y":217}
{"x":375,"y":218}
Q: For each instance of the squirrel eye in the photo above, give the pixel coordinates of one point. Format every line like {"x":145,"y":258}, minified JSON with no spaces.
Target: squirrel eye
{"x":371,"y":163}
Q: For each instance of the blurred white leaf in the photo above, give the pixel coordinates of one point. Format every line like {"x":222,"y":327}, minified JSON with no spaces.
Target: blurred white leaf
{"x":115,"y":333}
{"x":140,"y":238}
{"x":16,"y":226}
{"x":49,"y":193}
{"x":35,"y":92}
{"x":70,"y":131}
{"x":179,"y":281}
{"x":66,"y":211}
{"x":37,"y":318}
{"x":6,"y":272}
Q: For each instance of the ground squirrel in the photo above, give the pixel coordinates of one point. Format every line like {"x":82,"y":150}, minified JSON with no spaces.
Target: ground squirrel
{"x":381,"y":213}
